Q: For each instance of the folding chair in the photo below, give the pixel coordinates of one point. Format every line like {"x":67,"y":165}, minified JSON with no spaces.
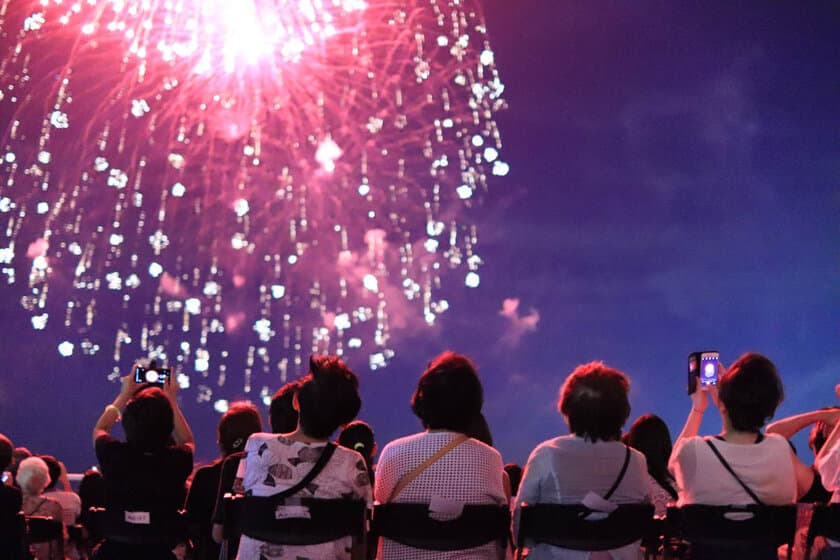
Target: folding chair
{"x":577,"y":527}
{"x":13,"y":535}
{"x":44,"y":530}
{"x":296,"y":521}
{"x":410,"y":524}
{"x":825,"y":522}
{"x":162,"y":527}
{"x":752,"y":531}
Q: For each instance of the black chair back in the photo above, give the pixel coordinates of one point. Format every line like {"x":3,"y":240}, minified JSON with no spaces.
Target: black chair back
{"x":43,"y":529}
{"x":290,"y":521}
{"x":13,"y":535}
{"x":141,"y":528}
{"x":825,"y":522}
{"x":577,"y":527}
{"x":714,"y":530}
{"x":409,"y":524}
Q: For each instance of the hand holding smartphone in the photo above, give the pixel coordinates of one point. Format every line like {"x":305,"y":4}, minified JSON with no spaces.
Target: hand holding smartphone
{"x":703,"y":368}
{"x":151,"y":374}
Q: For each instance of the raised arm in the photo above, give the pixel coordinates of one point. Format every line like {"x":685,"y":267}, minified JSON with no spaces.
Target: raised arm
{"x":834,"y":437}
{"x":181,"y":433}
{"x":699,"y":403}
{"x":113,"y":411}
{"x":788,"y":427}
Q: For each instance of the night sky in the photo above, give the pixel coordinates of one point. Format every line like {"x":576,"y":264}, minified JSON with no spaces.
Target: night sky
{"x":673,"y":187}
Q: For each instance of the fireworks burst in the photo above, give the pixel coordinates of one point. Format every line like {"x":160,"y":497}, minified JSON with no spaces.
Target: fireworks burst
{"x":301,"y":173}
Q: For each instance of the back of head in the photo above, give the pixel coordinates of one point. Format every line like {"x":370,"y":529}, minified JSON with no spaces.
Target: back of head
{"x":649,"y":434}
{"x":449,"y":394}
{"x":148,"y":419}
{"x":328,"y":397}
{"x":240,"y":421}
{"x":594,"y":400}
{"x":33,"y":475}
{"x":92,"y":489}
{"x":6,"y":450}
{"x":514,"y":473}
{"x":358,"y":436}
{"x":750,"y":391}
{"x":281,"y":413}
{"x":55,"y":470}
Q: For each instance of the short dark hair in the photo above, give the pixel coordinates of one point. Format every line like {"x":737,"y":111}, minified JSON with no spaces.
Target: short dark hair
{"x":750,"y":390}
{"x":594,"y":400}
{"x":148,"y":419}
{"x":92,"y":489}
{"x":55,"y":470}
{"x":358,"y":436}
{"x":281,"y":413}
{"x":328,"y":397}
{"x":240,"y":421}
{"x":514,"y":473}
{"x":6,"y":449}
{"x":449,"y":395}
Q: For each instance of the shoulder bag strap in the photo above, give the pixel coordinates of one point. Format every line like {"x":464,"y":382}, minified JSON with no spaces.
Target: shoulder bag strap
{"x":322,"y":461}
{"x":732,"y":472}
{"x":406,"y":480}
{"x":620,"y":475}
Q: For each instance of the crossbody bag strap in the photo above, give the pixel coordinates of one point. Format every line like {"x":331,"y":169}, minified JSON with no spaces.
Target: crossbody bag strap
{"x":322,"y":461}
{"x":406,"y":480}
{"x":620,"y":474}
{"x":732,"y":472}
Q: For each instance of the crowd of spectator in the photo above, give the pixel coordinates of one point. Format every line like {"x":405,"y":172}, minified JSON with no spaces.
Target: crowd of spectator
{"x":146,"y":485}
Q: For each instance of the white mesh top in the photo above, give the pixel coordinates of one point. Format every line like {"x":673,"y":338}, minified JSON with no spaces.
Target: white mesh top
{"x":274,"y":463}
{"x":471,"y":473}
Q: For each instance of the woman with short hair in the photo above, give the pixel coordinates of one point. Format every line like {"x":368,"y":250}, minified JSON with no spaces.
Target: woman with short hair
{"x":563,"y":470}
{"x":326,"y":398}
{"x":145,"y":475}
{"x":447,"y":401}
{"x":741,"y":465}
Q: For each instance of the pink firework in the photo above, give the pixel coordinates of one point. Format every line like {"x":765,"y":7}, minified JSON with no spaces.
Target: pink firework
{"x":292,"y":175}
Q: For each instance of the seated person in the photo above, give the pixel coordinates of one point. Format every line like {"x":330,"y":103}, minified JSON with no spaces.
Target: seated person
{"x":235,"y":426}
{"x":145,"y":475}
{"x":59,"y":489}
{"x":649,"y":434}
{"x":327,"y":397}
{"x":593,"y":401}
{"x":10,"y":497}
{"x":447,"y":401}
{"x":33,"y":475}
{"x":748,"y":394}
{"x":283,"y":418}
{"x":358,"y":436}
{"x":821,"y":422}
{"x":514,"y":476}
{"x":828,"y":465}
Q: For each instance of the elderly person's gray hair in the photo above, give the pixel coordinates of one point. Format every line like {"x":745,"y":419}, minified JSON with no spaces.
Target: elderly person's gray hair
{"x":33,"y":475}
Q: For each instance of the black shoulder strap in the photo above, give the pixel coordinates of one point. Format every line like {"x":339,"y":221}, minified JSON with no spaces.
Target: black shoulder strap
{"x":620,"y":475}
{"x":732,"y":472}
{"x":329,"y":449}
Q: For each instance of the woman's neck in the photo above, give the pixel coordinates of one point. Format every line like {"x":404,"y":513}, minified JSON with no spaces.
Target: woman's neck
{"x":738,"y":437}
{"x":298,"y":435}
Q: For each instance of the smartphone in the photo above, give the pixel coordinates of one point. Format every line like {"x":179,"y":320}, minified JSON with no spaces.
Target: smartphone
{"x":702,"y":367}
{"x":154,"y":375}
